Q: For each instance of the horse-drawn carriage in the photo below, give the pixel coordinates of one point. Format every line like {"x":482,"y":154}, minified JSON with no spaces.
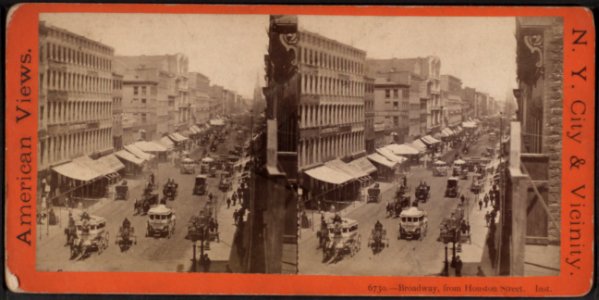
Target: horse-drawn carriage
{"x":400,"y":202}
{"x":374,"y":194}
{"x":148,"y":198}
{"x":188,"y":166}
{"x":413,"y":223}
{"x":86,"y":234}
{"x":476,"y":185}
{"x":161,"y":221}
{"x":225,"y":181}
{"x":342,"y":238}
{"x":454,"y":228}
{"x":121,"y":191}
{"x":439,"y":168}
{"x":126,"y":236}
{"x":422,"y":193}
{"x":451,"y":190}
{"x":460,"y":169}
{"x":170,"y":189}
{"x":378,"y":238}
{"x":203,"y":226}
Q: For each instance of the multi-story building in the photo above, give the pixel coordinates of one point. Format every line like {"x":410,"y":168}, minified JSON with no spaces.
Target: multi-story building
{"x":427,"y":70}
{"x":217,"y":106}
{"x":140,"y":93}
{"x":173,"y":106}
{"x":451,"y":100}
{"x":199,"y":85}
{"x":369,"y":115}
{"x":480,"y":104}
{"x":331,"y":105}
{"x":392,"y":103}
{"x":468,"y":103}
{"x":331,"y":117}
{"x":117,"y":111}
{"x":75,"y":102}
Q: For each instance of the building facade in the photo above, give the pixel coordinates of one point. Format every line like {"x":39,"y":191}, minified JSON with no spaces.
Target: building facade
{"x":468,"y":101}
{"x":140,"y":94}
{"x":392,"y":103}
{"x":451,"y":100}
{"x":75,"y":97}
{"x":424,"y":86}
{"x":540,"y":101}
{"x":117,"y":111}
{"x":369,"y":115}
{"x":199,"y":85}
{"x":331,"y":107}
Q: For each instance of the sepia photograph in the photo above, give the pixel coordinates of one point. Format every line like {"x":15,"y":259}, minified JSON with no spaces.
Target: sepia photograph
{"x":430,"y":146}
{"x":153,"y":146}
{"x":300,"y":150}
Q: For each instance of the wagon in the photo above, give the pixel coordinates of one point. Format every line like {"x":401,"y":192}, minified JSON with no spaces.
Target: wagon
{"x":161,"y":221}
{"x":343,"y":238}
{"x":91,"y":235}
{"x":121,"y":191}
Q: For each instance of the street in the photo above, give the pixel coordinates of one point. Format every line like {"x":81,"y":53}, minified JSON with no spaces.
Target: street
{"x":150,"y":253}
{"x":402,"y":257}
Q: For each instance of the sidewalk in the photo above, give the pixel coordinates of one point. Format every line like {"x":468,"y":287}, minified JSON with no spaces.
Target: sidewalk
{"x":475,"y":254}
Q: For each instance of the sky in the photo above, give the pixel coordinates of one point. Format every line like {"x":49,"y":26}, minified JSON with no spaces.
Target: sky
{"x":230,"y":49}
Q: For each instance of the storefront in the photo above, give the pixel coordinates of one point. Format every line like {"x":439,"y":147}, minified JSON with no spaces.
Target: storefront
{"x":386,"y":169}
{"x":134,"y":165}
{"x":327,"y":186}
{"x":153,"y":148}
{"x":366,"y":166}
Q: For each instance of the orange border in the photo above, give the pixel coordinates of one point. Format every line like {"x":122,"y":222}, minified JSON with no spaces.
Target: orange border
{"x":22,"y":35}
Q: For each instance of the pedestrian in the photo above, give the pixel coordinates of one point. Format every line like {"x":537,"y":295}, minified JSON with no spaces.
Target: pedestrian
{"x":235,"y":216}
{"x":487,"y":218}
{"x":480,"y":205}
{"x":458,"y":266}
{"x":228,"y":203}
{"x":462,"y":198}
{"x":486,"y":202}
{"x":234,"y":198}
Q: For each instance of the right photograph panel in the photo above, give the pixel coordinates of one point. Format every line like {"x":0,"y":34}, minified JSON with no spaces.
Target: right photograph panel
{"x":429,"y":146}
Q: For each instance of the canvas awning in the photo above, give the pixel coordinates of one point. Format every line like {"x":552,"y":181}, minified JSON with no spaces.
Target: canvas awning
{"x":427,"y":139}
{"x":124,"y":155}
{"x":402,"y":149}
{"x":447,"y":132}
{"x":149,"y":146}
{"x":468,"y":124}
{"x":138,"y":152}
{"x":390,"y":156}
{"x":364,"y":164}
{"x":177,"y":137}
{"x":196,"y":128}
{"x":167,"y":142}
{"x":379,"y":159}
{"x":95,"y":165}
{"x":339,"y":165}
{"x":76,"y":171}
{"x":217,"y":122}
{"x":329,"y":175}
{"x":418,"y":144}
{"x":113,"y":163}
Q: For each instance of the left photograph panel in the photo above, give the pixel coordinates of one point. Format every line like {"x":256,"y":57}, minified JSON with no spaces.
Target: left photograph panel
{"x":167,"y":143}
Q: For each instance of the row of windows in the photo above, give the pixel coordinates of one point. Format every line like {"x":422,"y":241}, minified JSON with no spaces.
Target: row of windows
{"x":117,"y":84}
{"x":69,"y":55}
{"x":63,"y":147}
{"x":330,"y":45}
{"x":318,"y":149}
{"x":325,"y":114}
{"x":73,"y":39}
{"x":405,"y":93}
{"x":67,"y":81}
{"x":329,"y":61}
{"x":325,"y":85}
{"x":76,"y":111}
